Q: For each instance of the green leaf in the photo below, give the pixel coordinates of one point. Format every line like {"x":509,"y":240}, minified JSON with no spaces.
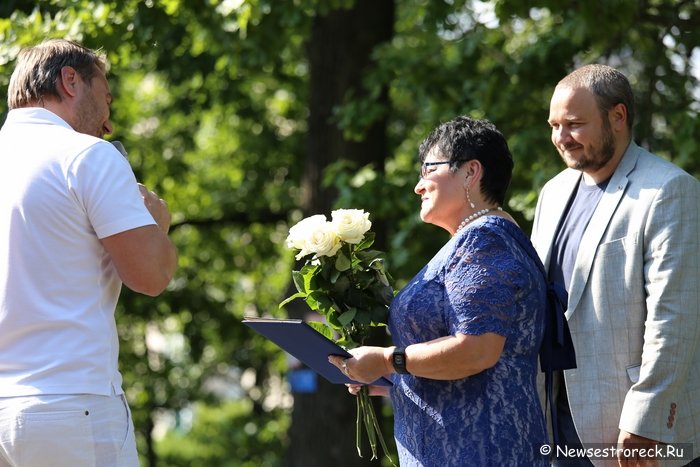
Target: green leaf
{"x":322,"y":328}
{"x":380,"y":315}
{"x":289,"y":299}
{"x":368,"y":256}
{"x":366,"y":242}
{"x":382,"y":277}
{"x":309,"y":269}
{"x":321,"y":300}
{"x":311,"y":302}
{"x":377,"y":264}
{"x":342,"y":262}
{"x":346,"y":318}
{"x":363,"y":318}
{"x":334,"y":276}
{"x":310,"y":275}
{"x":332,"y":318}
{"x":386,"y":295}
{"x":341,"y":285}
{"x":299,"y":281}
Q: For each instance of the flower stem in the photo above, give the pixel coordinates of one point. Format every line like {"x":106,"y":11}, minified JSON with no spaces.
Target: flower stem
{"x":367,"y":416}
{"x":358,"y":427}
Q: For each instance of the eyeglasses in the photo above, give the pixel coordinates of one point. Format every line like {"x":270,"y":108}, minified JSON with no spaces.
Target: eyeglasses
{"x":424,"y":167}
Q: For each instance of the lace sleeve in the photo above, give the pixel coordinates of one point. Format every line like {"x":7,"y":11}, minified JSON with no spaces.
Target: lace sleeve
{"x":482,"y":283}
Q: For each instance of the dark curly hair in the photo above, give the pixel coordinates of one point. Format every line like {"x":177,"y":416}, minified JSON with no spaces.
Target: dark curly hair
{"x":463,"y":139}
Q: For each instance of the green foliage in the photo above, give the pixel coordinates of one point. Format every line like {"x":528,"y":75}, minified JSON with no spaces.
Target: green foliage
{"x":230,"y":434}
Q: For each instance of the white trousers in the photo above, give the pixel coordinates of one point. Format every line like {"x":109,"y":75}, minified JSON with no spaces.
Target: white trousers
{"x":66,"y":431}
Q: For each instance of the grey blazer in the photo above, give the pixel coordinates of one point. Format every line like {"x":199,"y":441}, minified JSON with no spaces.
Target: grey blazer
{"x":634,"y":302}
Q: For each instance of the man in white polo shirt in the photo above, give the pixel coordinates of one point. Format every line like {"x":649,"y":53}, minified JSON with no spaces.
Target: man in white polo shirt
{"x":74,"y":226}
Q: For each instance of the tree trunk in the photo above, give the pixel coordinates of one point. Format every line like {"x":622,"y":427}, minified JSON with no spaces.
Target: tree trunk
{"x":151,"y":455}
{"x":322,"y":432}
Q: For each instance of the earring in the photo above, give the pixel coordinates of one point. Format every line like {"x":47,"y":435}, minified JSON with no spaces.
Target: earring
{"x":471,"y":205}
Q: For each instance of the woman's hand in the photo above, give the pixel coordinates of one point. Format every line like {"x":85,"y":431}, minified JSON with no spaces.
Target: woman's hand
{"x":366,"y":365}
{"x":444,"y":358}
{"x":373,"y":390}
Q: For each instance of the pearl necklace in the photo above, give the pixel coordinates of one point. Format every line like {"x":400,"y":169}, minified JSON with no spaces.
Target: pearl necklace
{"x":476,"y":215}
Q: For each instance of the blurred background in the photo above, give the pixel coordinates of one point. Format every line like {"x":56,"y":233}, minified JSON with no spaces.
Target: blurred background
{"x":248,"y":115}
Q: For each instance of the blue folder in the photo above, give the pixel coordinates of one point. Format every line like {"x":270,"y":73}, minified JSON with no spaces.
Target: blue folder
{"x":307,"y":345}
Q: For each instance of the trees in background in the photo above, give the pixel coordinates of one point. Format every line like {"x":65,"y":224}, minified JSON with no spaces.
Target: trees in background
{"x":247,"y":115}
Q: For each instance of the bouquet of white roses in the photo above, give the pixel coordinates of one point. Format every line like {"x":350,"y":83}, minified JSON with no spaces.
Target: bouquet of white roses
{"x":346,"y":282}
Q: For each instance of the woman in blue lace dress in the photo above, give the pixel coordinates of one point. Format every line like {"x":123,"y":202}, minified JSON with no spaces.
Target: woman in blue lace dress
{"x":467,"y":328}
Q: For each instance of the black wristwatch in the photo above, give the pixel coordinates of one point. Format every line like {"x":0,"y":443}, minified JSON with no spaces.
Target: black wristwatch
{"x":398,"y":360}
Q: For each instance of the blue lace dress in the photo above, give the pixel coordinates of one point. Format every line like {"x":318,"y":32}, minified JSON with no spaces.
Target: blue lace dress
{"x":480,"y":281}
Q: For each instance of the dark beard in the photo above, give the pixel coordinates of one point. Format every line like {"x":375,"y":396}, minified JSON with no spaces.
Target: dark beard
{"x":601,"y":157}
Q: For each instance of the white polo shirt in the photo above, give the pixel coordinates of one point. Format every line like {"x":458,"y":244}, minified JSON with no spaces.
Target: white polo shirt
{"x":61,"y":191}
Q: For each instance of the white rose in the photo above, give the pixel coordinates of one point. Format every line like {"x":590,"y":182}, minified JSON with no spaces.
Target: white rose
{"x":351,"y":224}
{"x":301,"y":233}
{"x":324,"y":241}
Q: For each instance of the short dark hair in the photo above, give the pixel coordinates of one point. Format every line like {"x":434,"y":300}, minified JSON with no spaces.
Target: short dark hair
{"x":609,"y":86}
{"x":464,"y":139}
{"x":38,"y":69}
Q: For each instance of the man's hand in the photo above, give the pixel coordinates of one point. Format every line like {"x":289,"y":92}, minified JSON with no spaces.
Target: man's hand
{"x":144,"y":257}
{"x":633,"y":444}
{"x":157,"y":207}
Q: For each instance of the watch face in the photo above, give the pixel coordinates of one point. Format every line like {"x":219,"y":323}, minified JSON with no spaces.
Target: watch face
{"x":398,"y":359}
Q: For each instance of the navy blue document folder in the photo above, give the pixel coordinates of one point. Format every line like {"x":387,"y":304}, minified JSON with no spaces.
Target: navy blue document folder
{"x":307,"y":345}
